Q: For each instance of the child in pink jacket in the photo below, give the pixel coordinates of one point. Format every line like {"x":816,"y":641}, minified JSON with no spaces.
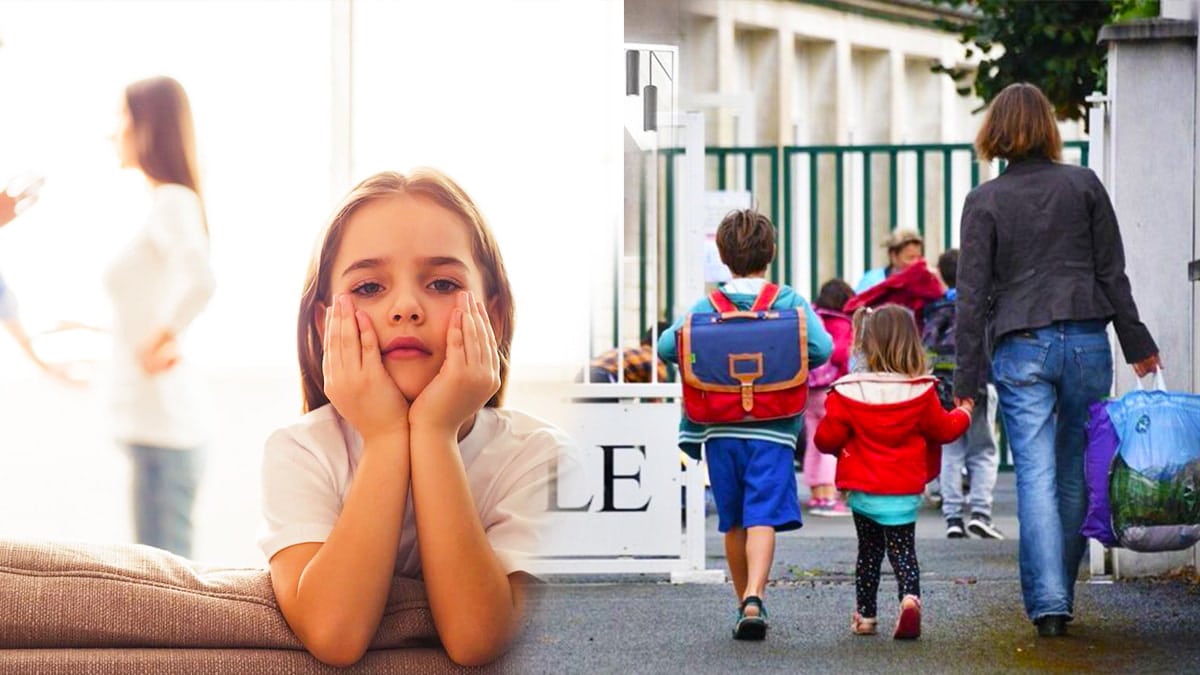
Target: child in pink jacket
{"x":819,"y":468}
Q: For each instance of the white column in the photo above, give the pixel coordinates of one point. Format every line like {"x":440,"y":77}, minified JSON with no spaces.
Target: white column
{"x":726,"y":71}
{"x":689,"y":200}
{"x":898,"y":118}
{"x":948,"y":101}
{"x":844,"y":83}
{"x":786,"y":80}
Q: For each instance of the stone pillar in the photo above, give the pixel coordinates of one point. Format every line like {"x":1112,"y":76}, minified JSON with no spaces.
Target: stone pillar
{"x":1152,"y":80}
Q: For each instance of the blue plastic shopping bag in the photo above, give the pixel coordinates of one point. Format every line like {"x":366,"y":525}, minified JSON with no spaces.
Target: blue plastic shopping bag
{"x":1154,"y":475}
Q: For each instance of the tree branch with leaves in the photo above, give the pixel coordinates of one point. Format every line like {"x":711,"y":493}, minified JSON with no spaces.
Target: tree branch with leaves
{"x":1049,"y":44}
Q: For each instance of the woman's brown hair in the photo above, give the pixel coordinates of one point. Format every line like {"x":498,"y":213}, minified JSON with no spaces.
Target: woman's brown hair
{"x":887,"y":341}
{"x":163,"y":132}
{"x":1019,"y":124}
{"x":438,"y":188}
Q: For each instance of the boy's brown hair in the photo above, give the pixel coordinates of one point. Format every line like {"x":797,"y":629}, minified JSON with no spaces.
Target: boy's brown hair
{"x":887,"y":341}
{"x":1019,"y":124}
{"x":746,"y":242}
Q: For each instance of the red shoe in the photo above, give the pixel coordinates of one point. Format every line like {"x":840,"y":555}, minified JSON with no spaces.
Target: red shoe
{"x":908,"y":624}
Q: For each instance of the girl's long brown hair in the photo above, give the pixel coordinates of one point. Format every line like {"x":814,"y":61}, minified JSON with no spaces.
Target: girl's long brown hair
{"x":440,"y":189}
{"x":163,"y":132}
{"x":887,"y":340}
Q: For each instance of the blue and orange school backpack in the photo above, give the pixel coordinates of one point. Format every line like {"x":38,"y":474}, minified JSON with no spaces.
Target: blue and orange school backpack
{"x":744,"y":366}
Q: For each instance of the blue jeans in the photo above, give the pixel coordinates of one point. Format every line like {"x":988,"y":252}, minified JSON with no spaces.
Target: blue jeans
{"x":977,"y":451}
{"x":164,"y":491}
{"x":1046,"y":378}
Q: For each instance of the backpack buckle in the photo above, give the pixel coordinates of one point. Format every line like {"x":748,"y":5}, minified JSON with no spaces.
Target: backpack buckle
{"x":746,"y":376}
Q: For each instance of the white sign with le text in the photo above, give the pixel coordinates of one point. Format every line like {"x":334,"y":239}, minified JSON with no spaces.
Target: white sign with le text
{"x":623,"y":497}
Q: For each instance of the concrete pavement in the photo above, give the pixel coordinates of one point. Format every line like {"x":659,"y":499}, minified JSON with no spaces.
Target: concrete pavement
{"x":973,"y":619}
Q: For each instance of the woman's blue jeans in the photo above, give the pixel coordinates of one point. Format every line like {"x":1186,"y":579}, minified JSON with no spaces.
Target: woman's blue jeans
{"x":1045,"y":379}
{"x":164,"y":492}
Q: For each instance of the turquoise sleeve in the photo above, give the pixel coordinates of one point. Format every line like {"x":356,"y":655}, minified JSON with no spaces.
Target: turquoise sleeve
{"x":871,"y":278}
{"x":668,"y":350}
{"x":666,"y":343}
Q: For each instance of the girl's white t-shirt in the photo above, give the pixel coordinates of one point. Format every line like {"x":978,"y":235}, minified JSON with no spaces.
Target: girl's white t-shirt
{"x":508,"y":457}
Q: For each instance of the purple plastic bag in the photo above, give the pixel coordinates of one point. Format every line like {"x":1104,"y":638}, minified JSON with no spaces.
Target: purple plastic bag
{"x":1102,"y":444}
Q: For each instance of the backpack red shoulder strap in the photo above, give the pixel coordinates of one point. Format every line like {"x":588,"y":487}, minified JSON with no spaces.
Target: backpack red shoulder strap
{"x":721,"y":301}
{"x":766,"y":297}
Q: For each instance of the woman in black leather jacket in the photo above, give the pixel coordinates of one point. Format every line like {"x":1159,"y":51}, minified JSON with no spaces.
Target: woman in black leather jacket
{"x":1041,"y":274}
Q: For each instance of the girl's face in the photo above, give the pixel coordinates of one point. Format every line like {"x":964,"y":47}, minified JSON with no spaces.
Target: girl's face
{"x":403,"y":260}
{"x":905,"y":257}
{"x":122,"y":138}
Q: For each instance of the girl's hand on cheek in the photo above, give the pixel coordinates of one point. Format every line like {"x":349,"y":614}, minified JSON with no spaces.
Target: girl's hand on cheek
{"x":469,"y":376}
{"x":356,"y":382}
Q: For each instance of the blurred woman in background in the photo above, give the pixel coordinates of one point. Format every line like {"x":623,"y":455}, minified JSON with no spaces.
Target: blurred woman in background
{"x":159,"y":283}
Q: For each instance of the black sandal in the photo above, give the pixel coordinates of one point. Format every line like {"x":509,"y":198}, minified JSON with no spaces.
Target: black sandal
{"x":751,"y":627}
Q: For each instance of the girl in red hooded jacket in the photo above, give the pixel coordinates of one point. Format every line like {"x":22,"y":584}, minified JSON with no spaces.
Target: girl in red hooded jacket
{"x":886,"y":426}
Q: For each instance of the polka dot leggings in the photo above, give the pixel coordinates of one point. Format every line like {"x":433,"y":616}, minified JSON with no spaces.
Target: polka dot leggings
{"x":899,"y":541}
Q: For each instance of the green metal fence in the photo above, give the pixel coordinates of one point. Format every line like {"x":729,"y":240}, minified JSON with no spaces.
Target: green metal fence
{"x":771,"y":174}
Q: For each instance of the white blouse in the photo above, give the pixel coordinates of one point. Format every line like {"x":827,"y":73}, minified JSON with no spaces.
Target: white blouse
{"x":160,"y":279}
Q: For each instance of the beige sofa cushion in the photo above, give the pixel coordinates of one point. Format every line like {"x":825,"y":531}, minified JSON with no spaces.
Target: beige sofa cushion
{"x":422,"y":660}
{"x":123,"y":595}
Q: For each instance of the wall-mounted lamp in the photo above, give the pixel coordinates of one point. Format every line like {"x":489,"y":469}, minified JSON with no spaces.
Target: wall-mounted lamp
{"x":650,"y":108}
{"x":632,"y":61}
{"x":649,"y":92}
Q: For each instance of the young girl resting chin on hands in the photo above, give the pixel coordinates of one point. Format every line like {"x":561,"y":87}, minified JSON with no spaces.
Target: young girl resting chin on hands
{"x":404,"y":464}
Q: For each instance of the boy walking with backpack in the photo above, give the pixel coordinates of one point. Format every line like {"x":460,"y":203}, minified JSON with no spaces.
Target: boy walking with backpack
{"x":750,"y":460}
{"x":976,"y":449}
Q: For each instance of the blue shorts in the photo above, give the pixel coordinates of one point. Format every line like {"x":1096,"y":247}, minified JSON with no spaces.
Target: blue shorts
{"x":753,"y":483}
